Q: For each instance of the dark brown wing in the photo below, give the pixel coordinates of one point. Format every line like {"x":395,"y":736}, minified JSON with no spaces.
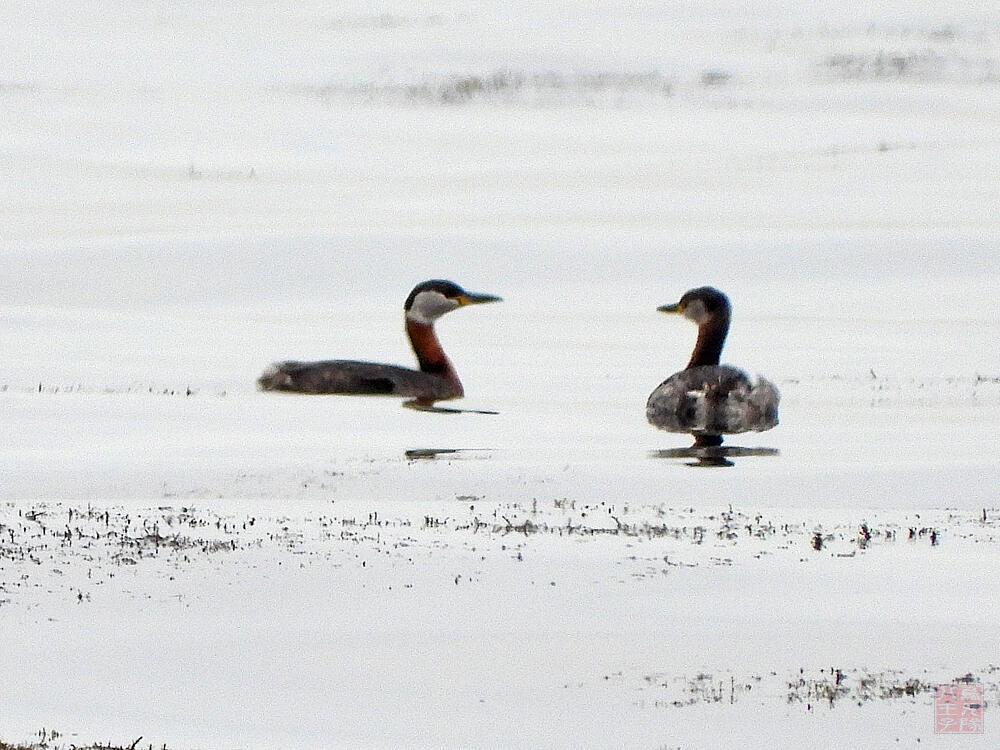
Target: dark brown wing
{"x":349,"y":377}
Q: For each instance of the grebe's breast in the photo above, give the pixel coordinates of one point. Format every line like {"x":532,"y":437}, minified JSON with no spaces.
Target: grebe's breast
{"x":350,"y":377}
{"x":713,"y":400}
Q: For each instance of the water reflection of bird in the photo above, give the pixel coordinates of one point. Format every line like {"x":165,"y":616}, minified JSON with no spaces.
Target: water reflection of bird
{"x":435,"y":380}
{"x":707,"y":399}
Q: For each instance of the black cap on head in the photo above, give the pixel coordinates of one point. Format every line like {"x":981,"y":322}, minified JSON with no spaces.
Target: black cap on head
{"x":710,"y":297}
{"x":442,"y":286}
{"x":449,"y":290}
{"x":710,"y":301}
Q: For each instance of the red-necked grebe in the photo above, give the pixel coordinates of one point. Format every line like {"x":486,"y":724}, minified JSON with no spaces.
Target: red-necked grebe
{"x":707,"y":399}
{"x":436,"y":380}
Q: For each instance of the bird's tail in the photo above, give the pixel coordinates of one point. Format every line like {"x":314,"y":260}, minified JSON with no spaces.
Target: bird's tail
{"x":274,"y":378}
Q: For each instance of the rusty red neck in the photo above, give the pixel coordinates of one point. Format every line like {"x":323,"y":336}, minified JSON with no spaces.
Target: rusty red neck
{"x":711,"y":337}
{"x":429,"y":353}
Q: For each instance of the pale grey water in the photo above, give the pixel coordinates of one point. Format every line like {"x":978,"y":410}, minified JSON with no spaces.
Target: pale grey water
{"x":890,"y":395}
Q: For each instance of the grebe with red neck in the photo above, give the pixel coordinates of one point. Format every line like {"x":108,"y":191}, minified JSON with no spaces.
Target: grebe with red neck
{"x":436,"y":380}
{"x":708,"y":399}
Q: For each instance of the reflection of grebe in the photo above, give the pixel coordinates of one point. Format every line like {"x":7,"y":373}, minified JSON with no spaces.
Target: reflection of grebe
{"x":707,"y":399}
{"x":435,"y":380}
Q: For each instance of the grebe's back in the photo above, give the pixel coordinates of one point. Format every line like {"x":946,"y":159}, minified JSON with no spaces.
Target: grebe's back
{"x":350,"y":377}
{"x":713,"y":400}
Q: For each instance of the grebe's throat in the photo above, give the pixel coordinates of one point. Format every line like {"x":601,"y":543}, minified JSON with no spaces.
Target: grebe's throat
{"x":428,"y":350}
{"x":711,"y":336}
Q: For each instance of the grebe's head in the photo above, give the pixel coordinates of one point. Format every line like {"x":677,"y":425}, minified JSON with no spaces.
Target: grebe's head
{"x":700,"y":305}
{"x":429,"y":300}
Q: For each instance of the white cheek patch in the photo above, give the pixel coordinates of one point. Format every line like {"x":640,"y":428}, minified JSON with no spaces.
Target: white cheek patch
{"x":429,"y":306}
{"x":695,"y":310}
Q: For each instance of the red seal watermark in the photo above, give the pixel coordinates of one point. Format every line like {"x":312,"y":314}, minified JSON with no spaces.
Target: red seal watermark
{"x":958,"y":709}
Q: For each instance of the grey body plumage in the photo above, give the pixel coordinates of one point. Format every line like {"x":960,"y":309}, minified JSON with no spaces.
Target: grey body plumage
{"x":713,"y":400}
{"x":351,"y":377}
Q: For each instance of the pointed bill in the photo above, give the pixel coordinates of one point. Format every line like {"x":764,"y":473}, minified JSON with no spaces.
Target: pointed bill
{"x":471,"y":298}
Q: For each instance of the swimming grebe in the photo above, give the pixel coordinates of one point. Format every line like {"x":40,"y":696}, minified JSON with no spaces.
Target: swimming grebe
{"x":436,"y":380}
{"x":707,"y":399}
